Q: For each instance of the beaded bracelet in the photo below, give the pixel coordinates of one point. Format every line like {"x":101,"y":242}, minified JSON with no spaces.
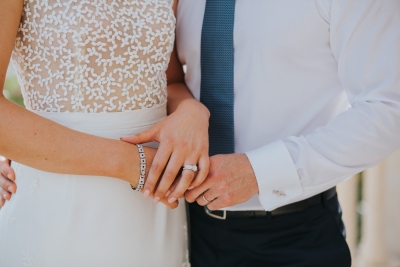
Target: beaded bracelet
{"x":142,"y":178}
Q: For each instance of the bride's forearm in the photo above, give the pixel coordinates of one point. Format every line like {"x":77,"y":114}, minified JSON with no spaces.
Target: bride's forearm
{"x":42,"y":144}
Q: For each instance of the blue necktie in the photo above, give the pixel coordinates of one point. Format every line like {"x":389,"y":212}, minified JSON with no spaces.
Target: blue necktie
{"x":217,"y":73}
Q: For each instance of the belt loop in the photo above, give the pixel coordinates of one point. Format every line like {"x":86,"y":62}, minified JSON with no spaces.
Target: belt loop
{"x":324,"y":199}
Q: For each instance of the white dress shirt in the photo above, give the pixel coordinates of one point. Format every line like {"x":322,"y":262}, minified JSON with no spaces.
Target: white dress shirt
{"x":317,"y":89}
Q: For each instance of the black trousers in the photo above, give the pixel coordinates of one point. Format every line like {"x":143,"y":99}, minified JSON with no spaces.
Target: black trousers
{"x":310,"y":238}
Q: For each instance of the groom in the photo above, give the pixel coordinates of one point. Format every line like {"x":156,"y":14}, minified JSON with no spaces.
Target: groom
{"x":278,"y":77}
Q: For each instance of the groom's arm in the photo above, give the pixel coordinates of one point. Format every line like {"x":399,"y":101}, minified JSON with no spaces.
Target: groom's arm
{"x":365,"y":40}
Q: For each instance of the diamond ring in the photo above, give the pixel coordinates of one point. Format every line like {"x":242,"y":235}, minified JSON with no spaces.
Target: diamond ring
{"x":190,"y":167}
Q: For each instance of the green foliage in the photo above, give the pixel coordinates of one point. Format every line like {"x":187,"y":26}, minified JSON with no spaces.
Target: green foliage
{"x":12,"y":90}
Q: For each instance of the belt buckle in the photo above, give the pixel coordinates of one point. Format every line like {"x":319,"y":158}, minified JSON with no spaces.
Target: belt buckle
{"x":208,"y":212}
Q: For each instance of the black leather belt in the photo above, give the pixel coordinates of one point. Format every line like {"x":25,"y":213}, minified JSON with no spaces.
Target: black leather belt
{"x":291,"y":208}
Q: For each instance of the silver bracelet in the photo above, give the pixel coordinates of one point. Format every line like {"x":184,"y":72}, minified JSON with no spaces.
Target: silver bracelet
{"x":142,"y":178}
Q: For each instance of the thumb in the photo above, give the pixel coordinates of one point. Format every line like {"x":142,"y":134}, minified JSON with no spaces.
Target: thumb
{"x":143,"y":137}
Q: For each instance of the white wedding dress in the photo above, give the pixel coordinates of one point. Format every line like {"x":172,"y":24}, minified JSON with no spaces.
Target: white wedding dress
{"x":98,"y":67}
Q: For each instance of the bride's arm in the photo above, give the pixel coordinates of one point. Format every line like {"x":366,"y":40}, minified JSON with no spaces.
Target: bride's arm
{"x":40,"y":143}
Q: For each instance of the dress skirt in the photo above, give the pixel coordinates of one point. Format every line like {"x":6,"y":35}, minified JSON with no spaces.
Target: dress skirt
{"x":82,"y":221}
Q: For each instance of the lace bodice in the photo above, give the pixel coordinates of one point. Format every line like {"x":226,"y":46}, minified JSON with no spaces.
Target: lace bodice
{"x":94,"y":55}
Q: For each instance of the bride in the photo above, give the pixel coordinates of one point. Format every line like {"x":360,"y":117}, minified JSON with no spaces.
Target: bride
{"x":91,"y":72}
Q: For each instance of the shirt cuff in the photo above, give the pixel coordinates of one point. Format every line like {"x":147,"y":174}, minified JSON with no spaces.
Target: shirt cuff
{"x":277,"y":178}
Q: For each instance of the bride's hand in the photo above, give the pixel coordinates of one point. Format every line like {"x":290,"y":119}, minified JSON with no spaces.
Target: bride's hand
{"x":183,"y":138}
{"x":7,"y":177}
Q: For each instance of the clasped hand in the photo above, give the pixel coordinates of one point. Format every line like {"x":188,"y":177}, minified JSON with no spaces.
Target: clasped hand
{"x":183,"y":138}
{"x":230,"y":181}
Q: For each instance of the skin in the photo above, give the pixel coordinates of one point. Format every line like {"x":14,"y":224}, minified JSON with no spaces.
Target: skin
{"x":231,"y":181}
{"x":42,"y":144}
{"x":7,"y":178}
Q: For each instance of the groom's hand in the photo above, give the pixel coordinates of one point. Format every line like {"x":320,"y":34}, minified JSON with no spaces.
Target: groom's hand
{"x":231,"y":181}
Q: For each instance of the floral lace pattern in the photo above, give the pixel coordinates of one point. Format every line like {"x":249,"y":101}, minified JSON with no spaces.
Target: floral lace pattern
{"x":94,"y":56}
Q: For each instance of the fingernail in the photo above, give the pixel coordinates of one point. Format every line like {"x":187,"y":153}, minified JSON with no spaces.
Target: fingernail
{"x":168,"y":193}
{"x":190,"y":187}
{"x":11,"y":189}
{"x":146,"y":193}
{"x":171,"y":200}
{"x":5,"y":196}
{"x":9,"y":176}
{"x":156,"y":199}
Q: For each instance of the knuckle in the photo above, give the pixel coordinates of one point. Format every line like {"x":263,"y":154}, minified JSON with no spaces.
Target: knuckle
{"x":167,"y":139}
{"x":184,"y":144}
{"x":156,"y":168}
{"x":196,"y":183}
{"x":200,"y":202}
{"x":227,"y":201}
{"x":187,"y":178}
{"x":169,"y":174}
{"x":190,"y":198}
{"x":179,"y":193}
{"x":5,"y":194}
{"x":3,"y":182}
{"x":187,"y":193}
{"x":160,"y":193}
{"x":149,"y":185}
{"x":222,"y":187}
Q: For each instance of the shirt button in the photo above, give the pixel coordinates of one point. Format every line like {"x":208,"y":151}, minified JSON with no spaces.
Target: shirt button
{"x":278,"y":193}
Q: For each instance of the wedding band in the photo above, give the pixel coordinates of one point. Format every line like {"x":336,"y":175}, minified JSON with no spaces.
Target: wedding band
{"x":190,"y":167}
{"x":208,"y":201}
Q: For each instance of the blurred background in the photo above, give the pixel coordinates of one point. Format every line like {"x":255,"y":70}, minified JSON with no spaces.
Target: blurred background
{"x":370,"y":203}
{"x":12,"y":90}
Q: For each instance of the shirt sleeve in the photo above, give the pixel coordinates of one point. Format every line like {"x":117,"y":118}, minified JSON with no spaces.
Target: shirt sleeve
{"x":365,"y":40}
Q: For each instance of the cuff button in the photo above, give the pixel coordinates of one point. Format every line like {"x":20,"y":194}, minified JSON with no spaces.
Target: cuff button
{"x":278,"y":193}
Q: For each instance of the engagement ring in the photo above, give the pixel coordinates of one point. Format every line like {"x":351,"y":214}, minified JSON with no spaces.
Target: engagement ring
{"x":190,"y":167}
